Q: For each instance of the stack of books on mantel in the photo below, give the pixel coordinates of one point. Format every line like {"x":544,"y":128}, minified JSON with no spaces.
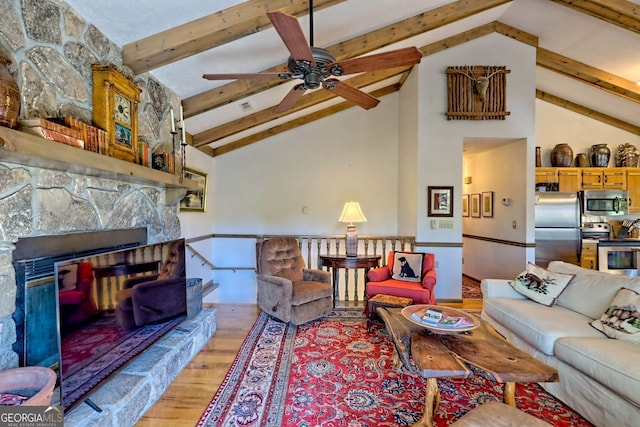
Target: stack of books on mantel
{"x":69,"y":131}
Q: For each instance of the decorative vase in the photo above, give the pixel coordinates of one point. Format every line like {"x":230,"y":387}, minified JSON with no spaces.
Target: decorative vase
{"x":581,"y":160}
{"x":627,"y":155}
{"x":599,"y":155}
{"x":561,"y":155}
{"x":37,"y":382}
{"x":9,"y":96}
{"x":538,"y":157}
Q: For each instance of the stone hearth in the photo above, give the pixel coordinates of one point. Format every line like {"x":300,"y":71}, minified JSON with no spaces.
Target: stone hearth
{"x":131,"y":391}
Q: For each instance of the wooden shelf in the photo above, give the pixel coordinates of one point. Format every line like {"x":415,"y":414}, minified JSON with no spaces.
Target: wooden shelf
{"x":30,"y":150}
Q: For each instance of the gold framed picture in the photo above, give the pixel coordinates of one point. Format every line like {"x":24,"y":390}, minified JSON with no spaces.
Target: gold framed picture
{"x":487,"y":204}
{"x":195,"y":200}
{"x":465,"y":205}
{"x":475,"y":205}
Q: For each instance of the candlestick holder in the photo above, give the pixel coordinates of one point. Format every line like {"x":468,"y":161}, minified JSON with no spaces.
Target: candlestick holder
{"x":178,"y":128}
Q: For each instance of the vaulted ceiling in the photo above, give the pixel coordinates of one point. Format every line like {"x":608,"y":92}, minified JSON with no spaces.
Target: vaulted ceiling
{"x":588,"y":56}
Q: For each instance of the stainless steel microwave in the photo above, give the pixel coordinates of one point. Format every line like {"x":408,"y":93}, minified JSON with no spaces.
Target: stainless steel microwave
{"x":605,"y":202}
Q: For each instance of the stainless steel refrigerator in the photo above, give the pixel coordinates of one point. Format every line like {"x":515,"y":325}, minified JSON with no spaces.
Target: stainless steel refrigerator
{"x":557,"y":219}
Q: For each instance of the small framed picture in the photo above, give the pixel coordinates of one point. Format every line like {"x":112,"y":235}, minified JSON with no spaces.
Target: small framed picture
{"x":487,"y":204}
{"x":475,"y":205}
{"x":440,"y":201}
{"x":465,"y":205}
{"x":195,"y":200}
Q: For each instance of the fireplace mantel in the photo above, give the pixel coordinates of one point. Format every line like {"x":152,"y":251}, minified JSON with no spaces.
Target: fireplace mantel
{"x":30,"y":150}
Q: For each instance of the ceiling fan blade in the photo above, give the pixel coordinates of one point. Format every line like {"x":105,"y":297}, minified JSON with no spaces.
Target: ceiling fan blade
{"x":351,"y":93}
{"x":290,"y":100}
{"x":292,"y":35}
{"x":236,"y":76}
{"x":380,"y":61}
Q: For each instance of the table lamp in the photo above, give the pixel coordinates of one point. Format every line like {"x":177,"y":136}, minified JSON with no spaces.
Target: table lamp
{"x":352,"y":213}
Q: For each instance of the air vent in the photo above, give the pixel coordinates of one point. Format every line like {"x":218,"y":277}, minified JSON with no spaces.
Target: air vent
{"x":246,"y":107}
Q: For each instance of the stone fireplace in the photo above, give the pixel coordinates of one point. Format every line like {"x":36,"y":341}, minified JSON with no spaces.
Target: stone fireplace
{"x":36,"y":202}
{"x":43,"y":202}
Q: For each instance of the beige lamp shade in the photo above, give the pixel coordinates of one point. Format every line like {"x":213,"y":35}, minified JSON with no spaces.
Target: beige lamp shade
{"x":352,"y":213}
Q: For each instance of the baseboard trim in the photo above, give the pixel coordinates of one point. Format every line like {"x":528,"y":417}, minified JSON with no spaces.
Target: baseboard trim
{"x":454,"y":302}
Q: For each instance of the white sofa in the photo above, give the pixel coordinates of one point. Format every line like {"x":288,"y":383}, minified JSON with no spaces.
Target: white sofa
{"x":599,"y":376}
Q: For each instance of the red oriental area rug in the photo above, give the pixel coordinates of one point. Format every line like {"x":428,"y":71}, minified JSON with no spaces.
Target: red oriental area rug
{"x":332,"y":372}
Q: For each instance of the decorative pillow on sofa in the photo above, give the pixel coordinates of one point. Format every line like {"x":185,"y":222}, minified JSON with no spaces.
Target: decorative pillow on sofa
{"x":622,"y":318}
{"x":407,"y":266}
{"x":540,"y":285}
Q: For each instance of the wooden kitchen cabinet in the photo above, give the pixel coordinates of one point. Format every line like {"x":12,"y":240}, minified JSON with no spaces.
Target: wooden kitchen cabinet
{"x":633,"y":186}
{"x":546,"y":175}
{"x":604,"y":179}
{"x":589,"y":257}
{"x":570,"y":179}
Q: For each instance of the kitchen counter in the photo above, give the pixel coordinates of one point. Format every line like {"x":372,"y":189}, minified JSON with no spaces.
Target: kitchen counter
{"x":619,"y":242}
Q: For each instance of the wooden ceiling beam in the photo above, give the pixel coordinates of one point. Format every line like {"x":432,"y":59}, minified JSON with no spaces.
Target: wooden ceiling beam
{"x":588,"y":74}
{"x":356,"y":46}
{"x":210,"y":31}
{"x":243,"y":142}
{"x":586,"y":111}
{"x":261,"y":117}
{"x":622,"y":13}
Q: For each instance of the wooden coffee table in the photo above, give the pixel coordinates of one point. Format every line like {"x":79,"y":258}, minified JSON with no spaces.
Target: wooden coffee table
{"x":441,"y":356}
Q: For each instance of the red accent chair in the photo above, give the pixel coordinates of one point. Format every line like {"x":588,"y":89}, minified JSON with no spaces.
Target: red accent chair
{"x":78,"y":305}
{"x":381,"y":282}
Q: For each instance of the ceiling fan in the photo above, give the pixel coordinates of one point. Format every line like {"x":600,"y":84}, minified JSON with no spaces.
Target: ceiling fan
{"x":316,"y":66}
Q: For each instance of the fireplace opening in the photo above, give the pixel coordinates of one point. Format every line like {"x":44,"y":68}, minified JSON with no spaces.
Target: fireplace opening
{"x":89,"y":302}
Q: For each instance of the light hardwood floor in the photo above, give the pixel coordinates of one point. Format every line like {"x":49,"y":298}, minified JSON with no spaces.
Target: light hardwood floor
{"x":185,"y":400}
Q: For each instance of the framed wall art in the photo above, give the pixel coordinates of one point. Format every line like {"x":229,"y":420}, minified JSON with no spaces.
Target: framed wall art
{"x":465,"y":205}
{"x":475,"y":205}
{"x":487,"y":204}
{"x":440,"y":201}
{"x":195,"y":200}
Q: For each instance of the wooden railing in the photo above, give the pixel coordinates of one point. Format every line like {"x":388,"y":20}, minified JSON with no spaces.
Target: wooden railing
{"x":350,"y":283}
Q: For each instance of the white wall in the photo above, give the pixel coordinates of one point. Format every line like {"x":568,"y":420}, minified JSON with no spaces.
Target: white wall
{"x":497,"y":170}
{"x":441,"y":141}
{"x":195,"y":224}
{"x":362,"y":155}
{"x":263,"y":188}
{"x":557,"y":125}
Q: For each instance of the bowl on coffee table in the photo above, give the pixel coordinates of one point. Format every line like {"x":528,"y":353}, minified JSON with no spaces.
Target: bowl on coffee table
{"x":452,"y":321}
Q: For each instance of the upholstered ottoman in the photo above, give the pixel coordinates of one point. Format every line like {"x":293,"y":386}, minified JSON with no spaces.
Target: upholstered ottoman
{"x":382,"y":300}
{"x":497,"y":414}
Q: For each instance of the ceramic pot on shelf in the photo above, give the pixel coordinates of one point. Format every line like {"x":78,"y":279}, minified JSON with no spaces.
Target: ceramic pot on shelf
{"x":581,"y":160}
{"x":9,"y":96}
{"x":561,"y":155}
{"x":627,"y":155}
{"x":599,"y":155}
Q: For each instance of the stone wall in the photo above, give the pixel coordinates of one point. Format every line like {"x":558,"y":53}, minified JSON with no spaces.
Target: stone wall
{"x":52,"y":50}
